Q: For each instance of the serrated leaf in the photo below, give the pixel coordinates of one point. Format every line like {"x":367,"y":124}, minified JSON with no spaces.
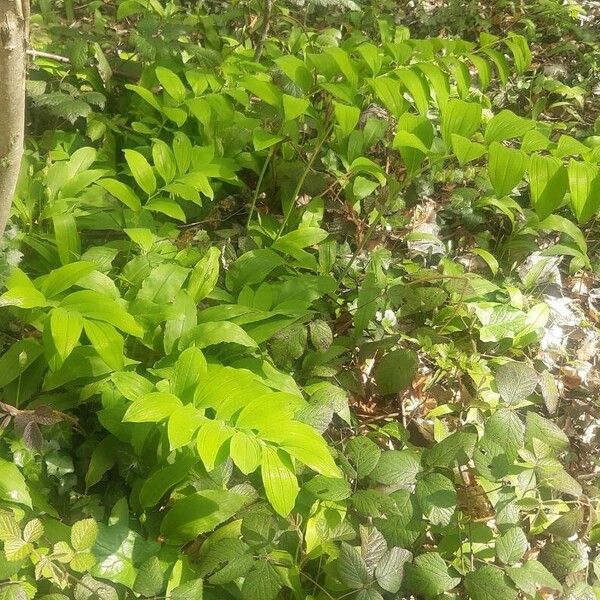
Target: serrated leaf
{"x":511,"y":545}
{"x":395,"y":371}
{"x":364,"y":455}
{"x":351,"y":568}
{"x":437,"y":498}
{"x":489,"y":583}
{"x":428,"y":576}
{"x":390,"y":569}
{"x":532,"y":576}
{"x":515,"y":382}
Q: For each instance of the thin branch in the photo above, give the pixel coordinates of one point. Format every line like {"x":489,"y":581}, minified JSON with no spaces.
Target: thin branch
{"x":266,"y":25}
{"x":41,"y":54}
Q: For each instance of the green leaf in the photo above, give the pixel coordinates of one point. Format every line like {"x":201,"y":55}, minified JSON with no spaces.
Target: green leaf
{"x":548,"y":182}
{"x":437,"y":498}
{"x":388,"y":90}
{"x":141,"y":171}
{"x":364,"y":455}
{"x":149,"y":580}
{"x":396,"y":468}
{"x":506,"y":125}
{"x":538,"y":427}
{"x":262,"y":139}
{"x":13,"y":487}
{"x":107,"y":342}
{"x":164,"y":160}
{"x":532,"y":576}
{"x":562,"y":557}
{"x":163,"y":283}
{"x":245,"y":451}
{"x":351,"y":568}
{"x":428,"y":576}
{"x":121,"y":192}
{"x":66,"y":327}
{"x":212,"y":436}
{"x":219,"y":332}
{"x":33,"y":530}
{"x":162,"y":480}
{"x":507,"y":430}
{"x":183,"y":423}
{"x":515,"y":382}
{"x":264,"y":90}
{"x":506,"y":168}
{"x":200,"y":513}
{"x":262,"y":582}
{"x":103,"y":459}
{"x":489,"y":583}
{"x":204,"y":275}
{"x":395,"y":371}
{"x":460,"y":117}
{"x":294,"y":107}
{"x":17,"y":359}
{"x":346,"y":117}
{"x":416,"y":88}
{"x":511,"y":545}
{"x":145,"y":94}
{"x":390,"y":569}
{"x":279,"y":480}
{"x":189,"y":369}
{"x":182,"y":148}
{"x":171,"y":84}
{"x":170,"y":208}
{"x":300,"y":238}
{"x":584,"y":184}
{"x":61,"y":279}
{"x":152,"y":408}
{"x":93,"y":305}
{"x":466,"y":150}
{"x":84,"y":534}
{"x":296,"y":70}
{"x":190,"y":590}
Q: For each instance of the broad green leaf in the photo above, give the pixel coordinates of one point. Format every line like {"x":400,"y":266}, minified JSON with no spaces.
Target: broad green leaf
{"x":183,"y":424}
{"x":107,"y":342}
{"x":149,"y":580}
{"x":564,"y":557}
{"x":163,"y":283}
{"x":171,"y":83}
{"x":13,"y":487}
{"x":279,"y":480}
{"x":93,"y":305}
{"x":212,"y":436}
{"x":428,"y":576}
{"x":500,"y":62}
{"x":396,"y":468}
{"x":515,"y":381}
{"x":300,"y":239}
{"x":438,"y":80}
{"x":413,"y":139}
{"x":416,"y":88}
{"x":390,"y":569}
{"x":200,"y":513}
{"x":145,"y":94}
{"x":262,"y":583}
{"x":162,"y":480}
{"x":164,"y":160}
{"x":252,"y":267}
{"x":245,"y":452}
{"x":520,"y":51}
{"x":182,"y":149}
{"x":102,"y":460}
{"x":364,"y":455}
{"x":538,"y":427}
{"x":458,"y":446}
{"x":506,"y":429}
{"x":511,"y":545}
{"x":345,"y":64}
{"x":466,"y":150}
{"x":84,"y":534}
{"x":388,"y":90}
{"x":152,"y":408}
{"x":395,"y":371}
{"x":506,"y":168}
{"x":66,"y":236}
{"x":294,"y":107}
{"x":121,"y":192}
{"x":462,"y":118}
{"x":303,"y":443}
{"x":548,"y":182}
{"x":264,"y":90}
{"x":170,"y":208}
{"x":61,"y":279}
{"x":437,"y":498}
{"x":346,"y":117}
{"x":506,"y":125}
{"x":209,"y":334}
{"x":189,"y":369}
{"x":351,"y":568}
{"x":532,"y":576}
{"x":204,"y":275}
{"x":489,"y":583}
{"x":296,"y":70}
{"x":262,"y":139}
{"x":66,"y":327}
{"x":584,"y":184}
{"x":141,"y":171}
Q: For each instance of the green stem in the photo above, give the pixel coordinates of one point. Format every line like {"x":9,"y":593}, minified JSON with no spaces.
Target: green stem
{"x":259,"y":184}
{"x":302,"y":178}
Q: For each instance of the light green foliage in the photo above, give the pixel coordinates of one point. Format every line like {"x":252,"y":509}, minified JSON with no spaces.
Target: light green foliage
{"x":283,"y":319}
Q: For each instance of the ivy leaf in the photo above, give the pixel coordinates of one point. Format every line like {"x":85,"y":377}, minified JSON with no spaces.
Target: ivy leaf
{"x":428,"y":576}
{"x":351,"y":568}
{"x":489,"y":583}
{"x":515,"y":382}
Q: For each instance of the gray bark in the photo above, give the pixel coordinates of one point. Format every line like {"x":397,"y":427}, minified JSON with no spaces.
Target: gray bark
{"x":14,"y":17}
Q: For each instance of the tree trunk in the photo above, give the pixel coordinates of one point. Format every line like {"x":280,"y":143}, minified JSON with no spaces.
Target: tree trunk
{"x":14,"y":17}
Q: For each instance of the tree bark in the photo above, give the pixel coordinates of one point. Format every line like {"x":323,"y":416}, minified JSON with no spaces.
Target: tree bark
{"x":14,"y":20}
